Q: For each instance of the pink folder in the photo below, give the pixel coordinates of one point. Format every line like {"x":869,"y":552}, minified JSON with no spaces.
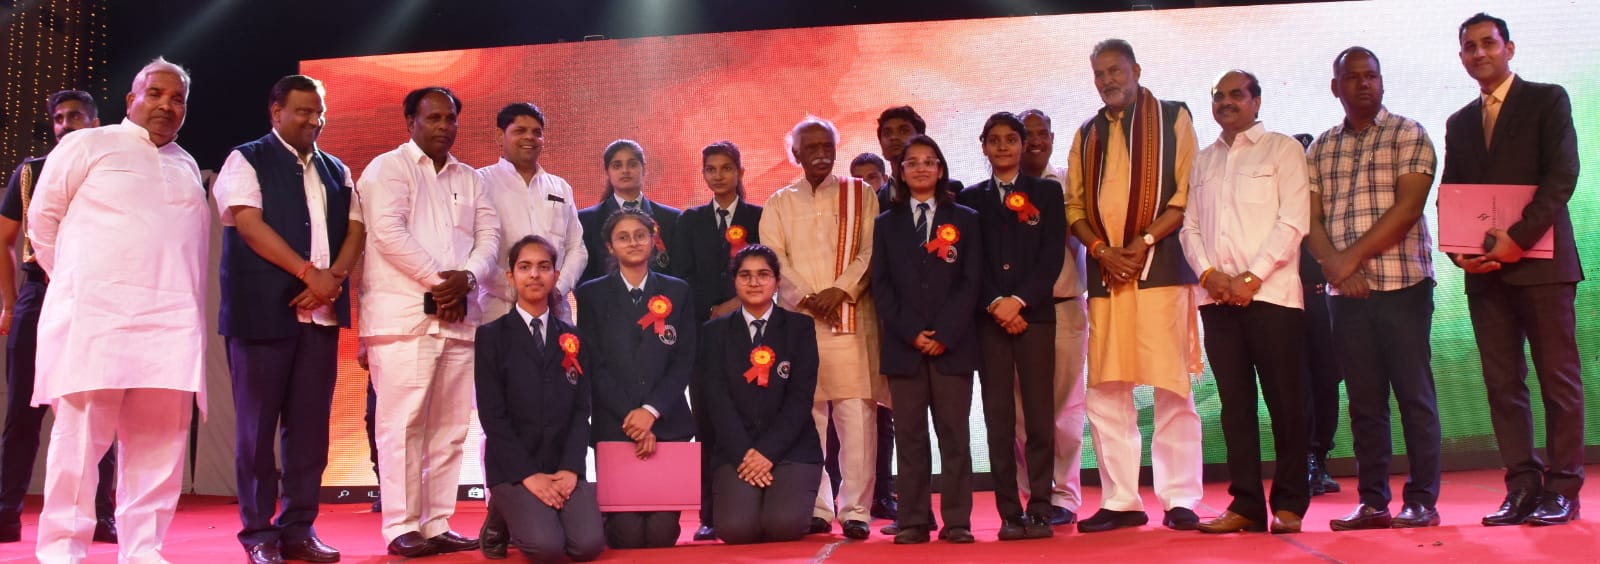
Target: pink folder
{"x":668,"y":481}
{"x":1468,"y":211}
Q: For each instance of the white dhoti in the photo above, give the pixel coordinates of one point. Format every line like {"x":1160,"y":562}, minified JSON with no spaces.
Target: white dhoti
{"x":424,"y":386}
{"x":152,"y":427}
{"x":1175,"y":456}
{"x":856,"y":422}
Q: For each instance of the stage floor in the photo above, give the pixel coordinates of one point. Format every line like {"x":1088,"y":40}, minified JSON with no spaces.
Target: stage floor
{"x":204,"y":528}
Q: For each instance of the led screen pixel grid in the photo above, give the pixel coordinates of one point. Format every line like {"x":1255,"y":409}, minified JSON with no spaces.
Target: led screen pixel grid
{"x":676,"y":94}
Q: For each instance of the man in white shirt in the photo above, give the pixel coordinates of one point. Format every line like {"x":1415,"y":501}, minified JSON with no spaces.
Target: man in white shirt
{"x":120,"y":223}
{"x":292,"y":232}
{"x":529,"y":201}
{"x":433,"y":234}
{"x":1254,"y":309}
{"x":1072,"y":341}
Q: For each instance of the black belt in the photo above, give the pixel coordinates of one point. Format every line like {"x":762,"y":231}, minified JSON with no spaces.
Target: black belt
{"x":1059,"y":300}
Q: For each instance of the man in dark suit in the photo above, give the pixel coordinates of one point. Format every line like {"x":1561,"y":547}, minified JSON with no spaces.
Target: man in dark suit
{"x":624,"y":164}
{"x":1024,"y":229}
{"x":70,"y":110}
{"x":928,"y":351}
{"x":1521,"y":132}
{"x":708,"y":236}
{"x":292,"y":232}
{"x":534,"y":404}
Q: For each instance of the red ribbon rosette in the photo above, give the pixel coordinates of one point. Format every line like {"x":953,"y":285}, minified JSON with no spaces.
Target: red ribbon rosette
{"x":944,"y":240}
{"x":1018,"y":202}
{"x":569,"y":345}
{"x":660,"y":307}
{"x":661,"y":244}
{"x":760,"y":365}
{"x":736,"y":239}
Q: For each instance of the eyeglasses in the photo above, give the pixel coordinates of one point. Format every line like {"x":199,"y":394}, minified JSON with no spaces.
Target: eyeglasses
{"x":925,"y":163}
{"x":755,"y":278}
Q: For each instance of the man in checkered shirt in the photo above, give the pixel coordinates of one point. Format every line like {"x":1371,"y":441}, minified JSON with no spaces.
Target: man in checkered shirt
{"x":1370,"y":177}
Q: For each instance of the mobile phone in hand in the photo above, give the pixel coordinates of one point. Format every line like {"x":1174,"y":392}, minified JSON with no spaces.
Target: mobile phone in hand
{"x":429,"y":306}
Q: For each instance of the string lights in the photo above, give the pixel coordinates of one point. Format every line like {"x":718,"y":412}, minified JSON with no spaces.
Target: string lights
{"x":51,"y":45}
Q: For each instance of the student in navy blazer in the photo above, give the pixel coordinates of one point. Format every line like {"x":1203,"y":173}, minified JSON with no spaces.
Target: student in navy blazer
{"x":758,"y":367}
{"x":707,"y":237}
{"x":926,"y":254}
{"x":624,"y":167}
{"x":640,"y":327}
{"x":534,"y":403}
{"x":1024,"y":226}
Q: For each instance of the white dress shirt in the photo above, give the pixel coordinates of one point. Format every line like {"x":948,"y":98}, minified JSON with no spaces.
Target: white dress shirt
{"x":749,"y":320}
{"x":420,"y":223}
{"x":1233,"y":192}
{"x":1070,"y":283}
{"x":527,"y":322}
{"x":123,"y":228}
{"x":527,"y":208}
{"x":237,"y":185}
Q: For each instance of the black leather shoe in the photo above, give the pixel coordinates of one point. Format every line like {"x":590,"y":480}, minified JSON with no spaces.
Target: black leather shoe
{"x":911,"y":535}
{"x":1312,"y":476}
{"x":1514,"y":510}
{"x":493,"y":538}
{"x":1106,"y":520}
{"x":1037,"y":527}
{"x":886,"y":508}
{"x":891,"y":529}
{"x":11,"y":530}
{"x":1363,"y":517}
{"x":411,"y":545}
{"x":1415,"y":515}
{"x":263,"y":553}
{"x":448,"y":541}
{"x":1062,"y":516}
{"x":1181,"y":519}
{"x":820,"y":526}
{"x":1014,"y":528}
{"x":705,"y":533}
{"x":957,"y":535}
{"x":105,"y":530}
{"x":1321,"y":481}
{"x":857,"y":529}
{"x":1554,"y":509}
{"x":309,"y":550}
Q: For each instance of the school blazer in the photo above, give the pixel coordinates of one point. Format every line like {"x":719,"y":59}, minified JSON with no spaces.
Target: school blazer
{"x":534,"y":413}
{"x":775,"y":420}
{"x":1020,"y":259}
{"x":917,"y":291}
{"x":630,"y":365}
{"x":594,"y":217}
{"x":703,"y":252}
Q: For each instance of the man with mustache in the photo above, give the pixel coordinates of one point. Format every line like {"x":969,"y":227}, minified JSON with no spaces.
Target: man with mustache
{"x":121,"y":350}
{"x":1521,"y":132}
{"x":433,"y":234}
{"x":291,"y":233}
{"x":1370,"y":176}
{"x":1129,"y":183}
{"x":1071,"y":338}
{"x":821,"y":228}
{"x":1253,"y":307}
{"x":69,"y":111}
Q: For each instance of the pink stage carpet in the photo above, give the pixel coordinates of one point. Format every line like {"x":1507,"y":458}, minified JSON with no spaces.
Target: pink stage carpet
{"x":203,"y":532}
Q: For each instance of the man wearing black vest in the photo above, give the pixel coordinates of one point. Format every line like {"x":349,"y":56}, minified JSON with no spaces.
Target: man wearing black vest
{"x":70,"y":110}
{"x":292,"y":231}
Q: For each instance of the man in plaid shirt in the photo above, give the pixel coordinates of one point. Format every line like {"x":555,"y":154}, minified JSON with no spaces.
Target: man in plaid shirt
{"x":1370,"y":177}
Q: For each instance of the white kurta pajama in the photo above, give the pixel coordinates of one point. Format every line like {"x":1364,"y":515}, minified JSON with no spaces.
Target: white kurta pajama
{"x":421,"y":222}
{"x":123,"y":229}
{"x":803,"y":226}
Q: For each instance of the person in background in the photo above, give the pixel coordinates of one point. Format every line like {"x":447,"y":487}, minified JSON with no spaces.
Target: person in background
{"x":625,"y":172}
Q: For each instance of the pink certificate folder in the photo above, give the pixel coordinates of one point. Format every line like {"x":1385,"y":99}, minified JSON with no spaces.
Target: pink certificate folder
{"x":668,"y":481}
{"x":1468,"y":211}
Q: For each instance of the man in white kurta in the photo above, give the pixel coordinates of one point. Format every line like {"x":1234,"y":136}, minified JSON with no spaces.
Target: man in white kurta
{"x":430,"y":229}
{"x":801,"y":223}
{"x":530,"y":201}
{"x":120,"y":222}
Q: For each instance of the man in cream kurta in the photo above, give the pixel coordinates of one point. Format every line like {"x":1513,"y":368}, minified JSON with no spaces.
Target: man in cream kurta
{"x":801,"y":223}
{"x":120,"y":223}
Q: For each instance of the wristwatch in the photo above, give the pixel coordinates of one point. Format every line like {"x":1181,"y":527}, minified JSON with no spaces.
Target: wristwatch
{"x":472,"y":281}
{"x":1149,"y":240}
{"x":1248,"y":278}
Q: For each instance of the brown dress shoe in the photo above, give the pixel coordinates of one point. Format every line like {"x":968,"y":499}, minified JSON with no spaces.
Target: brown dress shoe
{"x":312,"y":549}
{"x":411,"y":545}
{"x":1230,"y":522}
{"x":1285,"y":522}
